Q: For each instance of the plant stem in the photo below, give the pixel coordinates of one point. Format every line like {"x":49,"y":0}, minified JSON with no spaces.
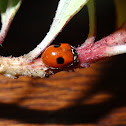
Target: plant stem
{"x":111,"y":45}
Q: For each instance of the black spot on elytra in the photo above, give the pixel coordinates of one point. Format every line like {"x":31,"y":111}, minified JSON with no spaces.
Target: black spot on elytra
{"x":57,"y":45}
{"x":60,"y":60}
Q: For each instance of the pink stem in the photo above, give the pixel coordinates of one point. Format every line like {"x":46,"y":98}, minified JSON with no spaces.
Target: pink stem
{"x":90,"y":53}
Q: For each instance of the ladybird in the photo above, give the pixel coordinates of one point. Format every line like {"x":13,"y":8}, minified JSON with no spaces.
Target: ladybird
{"x":59,"y":56}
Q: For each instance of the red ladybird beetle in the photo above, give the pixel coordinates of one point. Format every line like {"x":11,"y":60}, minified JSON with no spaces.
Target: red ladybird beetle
{"x":59,"y":56}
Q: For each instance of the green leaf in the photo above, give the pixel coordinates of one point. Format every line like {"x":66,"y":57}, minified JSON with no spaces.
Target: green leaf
{"x":3,"y":5}
{"x":92,"y":18}
{"x":92,"y":23}
{"x":8,"y":9}
{"x":65,"y":11}
{"x":120,"y":12}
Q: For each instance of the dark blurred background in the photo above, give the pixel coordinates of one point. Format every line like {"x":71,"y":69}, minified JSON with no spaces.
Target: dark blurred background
{"x":33,"y":20}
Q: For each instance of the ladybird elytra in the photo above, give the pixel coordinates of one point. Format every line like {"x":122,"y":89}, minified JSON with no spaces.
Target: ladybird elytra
{"x":58,"y":56}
